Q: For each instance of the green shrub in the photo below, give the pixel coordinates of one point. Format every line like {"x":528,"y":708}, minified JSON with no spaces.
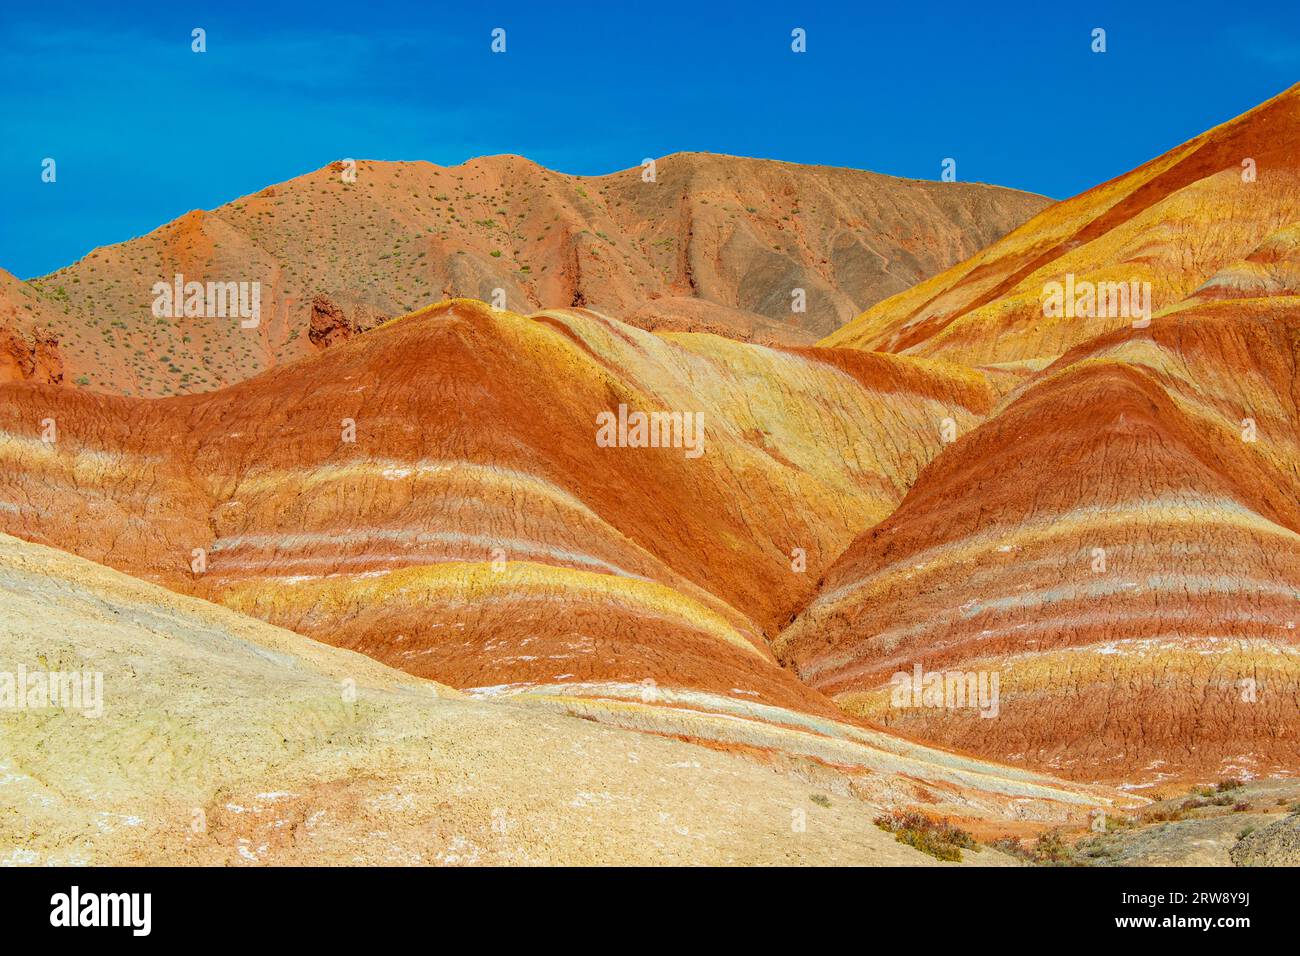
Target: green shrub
{"x":939,"y":838}
{"x":1051,"y":848}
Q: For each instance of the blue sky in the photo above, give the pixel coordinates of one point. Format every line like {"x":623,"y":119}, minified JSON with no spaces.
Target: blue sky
{"x":143,"y":130}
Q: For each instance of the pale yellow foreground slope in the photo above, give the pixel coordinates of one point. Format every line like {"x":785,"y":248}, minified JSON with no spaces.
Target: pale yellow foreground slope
{"x":224,"y":740}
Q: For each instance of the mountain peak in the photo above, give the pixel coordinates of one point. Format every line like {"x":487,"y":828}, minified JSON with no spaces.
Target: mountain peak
{"x":755,"y":250}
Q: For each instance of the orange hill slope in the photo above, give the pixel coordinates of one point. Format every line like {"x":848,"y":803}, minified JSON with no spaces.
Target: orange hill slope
{"x":432,"y":493}
{"x":1111,"y":547}
{"x":1120,"y":540}
{"x":1173,"y":222}
{"x":715,"y":243}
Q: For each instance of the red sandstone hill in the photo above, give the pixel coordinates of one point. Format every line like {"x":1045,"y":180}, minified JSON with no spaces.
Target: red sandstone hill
{"x":714,"y":243}
{"x":433,"y":493}
{"x":1120,"y":540}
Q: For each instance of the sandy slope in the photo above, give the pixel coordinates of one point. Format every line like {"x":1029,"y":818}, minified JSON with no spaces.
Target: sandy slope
{"x":225,"y":740}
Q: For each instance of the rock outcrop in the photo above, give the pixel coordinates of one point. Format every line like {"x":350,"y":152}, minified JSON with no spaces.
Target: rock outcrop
{"x":331,"y":323}
{"x":35,"y":360}
{"x":29,"y":351}
{"x":1277,"y":844}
